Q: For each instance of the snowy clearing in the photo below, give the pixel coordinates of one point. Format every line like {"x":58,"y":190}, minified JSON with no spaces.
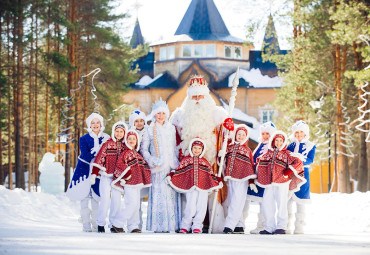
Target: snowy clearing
{"x":39,"y":223}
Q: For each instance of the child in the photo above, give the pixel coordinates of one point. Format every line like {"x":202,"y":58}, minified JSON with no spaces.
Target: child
{"x":137,"y":122}
{"x":195,"y":178}
{"x":159,"y":150}
{"x":278,"y":172}
{"x":132,"y":173}
{"x":80,"y":187}
{"x":239,"y":172}
{"x":103,"y":168}
{"x":301,"y":145}
{"x":266,"y":130}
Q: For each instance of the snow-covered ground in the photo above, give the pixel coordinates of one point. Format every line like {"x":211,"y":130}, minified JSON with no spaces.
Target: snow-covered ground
{"x":39,"y":223}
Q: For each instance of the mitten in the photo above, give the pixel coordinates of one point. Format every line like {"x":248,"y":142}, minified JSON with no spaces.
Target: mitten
{"x":253,"y":187}
{"x":229,"y":124}
{"x":287,"y":172}
{"x":92,"y":180}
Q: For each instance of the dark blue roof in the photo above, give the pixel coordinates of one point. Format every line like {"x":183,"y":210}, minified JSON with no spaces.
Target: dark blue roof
{"x":167,"y":80}
{"x":202,"y":21}
{"x":225,"y":83}
{"x":146,"y":64}
{"x":137,"y":38}
{"x":267,"y":68}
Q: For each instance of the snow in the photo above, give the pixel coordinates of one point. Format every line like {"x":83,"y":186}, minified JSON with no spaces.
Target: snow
{"x":39,"y":223}
{"x":240,"y":115}
{"x":146,"y":80}
{"x":256,"y":79}
{"x":52,"y":174}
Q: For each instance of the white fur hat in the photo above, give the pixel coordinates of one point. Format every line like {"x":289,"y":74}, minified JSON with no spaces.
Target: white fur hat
{"x":92,"y":116}
{"x":300,"y":126}
{"x":118,"y":124}
{"x":159,"y":106}
{"x":272,"y":138}
{"x":197,"y":139}
{"x":136,"y":115}
{"x":197,"y":85}
{"x":132,"y":132}
{"x":268,"y":127}
{"x":243,"y":127}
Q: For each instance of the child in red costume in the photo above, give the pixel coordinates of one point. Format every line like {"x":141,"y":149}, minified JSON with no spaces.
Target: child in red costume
{"x":133,"y":173}
{"x":103,"y":168}
{"x":239,"y":172}
{"x":279,"y":172}
{"x":195,"y":178}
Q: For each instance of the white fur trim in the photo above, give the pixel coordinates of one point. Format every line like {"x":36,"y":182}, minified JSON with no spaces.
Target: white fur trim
{"x":138,"y":137}
{"x":271,"y":184}
{"x":272,"y":138}
{"x":298,"y":155}
{"x":82,"y":160}
{"x":139,"y":185}
{"x":121,"y":176}
{"x":219,"y":186}
{"x":235,"y":132}
{"x":253,"y":176}
{"x":92,"y":116}
{"x":300,"y":200}
{"x":114,"y":127}
{"x":176,"y":117}
{"x":204,"y":147}
{"x":117,"y":188}
{"x":136,"y":115}
{"x":299,"y":177}
{"x":197,"y":90}
{"x":99,"y":166}
{"x":300,"y":126}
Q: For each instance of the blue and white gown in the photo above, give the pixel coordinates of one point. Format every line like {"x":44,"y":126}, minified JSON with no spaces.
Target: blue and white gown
{"x":164,"y":203}
{"x":80,"y":187}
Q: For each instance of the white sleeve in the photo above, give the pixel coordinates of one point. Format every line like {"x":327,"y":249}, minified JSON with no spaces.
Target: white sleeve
{"x":176,"y":117}
{"x":145,"y":151}
{"x":175,"y":161}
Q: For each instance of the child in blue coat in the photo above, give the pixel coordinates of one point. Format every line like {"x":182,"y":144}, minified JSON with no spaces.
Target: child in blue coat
{"x":80,"y":187}
{"x":301,"y":145}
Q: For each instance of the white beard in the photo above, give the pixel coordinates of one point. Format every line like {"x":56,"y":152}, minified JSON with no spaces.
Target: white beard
{"x":198,"y":121}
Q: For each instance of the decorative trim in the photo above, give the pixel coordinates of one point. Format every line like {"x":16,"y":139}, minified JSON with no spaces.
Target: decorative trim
{"x":299,"y":177}
{"x":84,"y":161}
{"x":99,"y":166}
{"x":194,"y":187}
{"x":240,"y":180}
{"x":120,"y":176}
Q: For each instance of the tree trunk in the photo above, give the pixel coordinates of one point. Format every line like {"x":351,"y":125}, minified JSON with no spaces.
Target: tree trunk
{"x":47,"y":92}
{"x":19,"y":139}
{"x":30,"y":164}
{"x":343,"y":171}
{"x":70,"y":80}
{"x":35,"y":160}
{"x":1,"y":120}
{"x":362,"y":164}
{"x":10,"y":166}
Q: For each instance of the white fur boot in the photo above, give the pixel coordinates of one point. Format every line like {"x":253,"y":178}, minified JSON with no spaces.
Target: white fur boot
{"x":260,"y":223}
{"x":85,"y":217}
{"x":94,"y":214}
{"x":299,"y":223}
{"x":289,"y":229}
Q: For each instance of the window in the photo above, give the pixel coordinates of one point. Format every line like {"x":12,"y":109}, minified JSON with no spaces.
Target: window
{"x":238,"y":52}
{"x":267,"y":115}
{"x":171,"y":52}
{"x":163,"y":53}
{"x":198,"y":51}
{"x":210,"y":50}
{"x":186,"y":50}
{"x":227,"y":51}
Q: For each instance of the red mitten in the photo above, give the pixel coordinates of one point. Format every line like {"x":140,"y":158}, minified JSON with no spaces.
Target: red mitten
{"x":219,"y":179}
{"x":95,"y":171}
{"x":287,"y":172}
{"x":251,"y":181}
{"x":229,"y":124}
{"x":171,"y":174}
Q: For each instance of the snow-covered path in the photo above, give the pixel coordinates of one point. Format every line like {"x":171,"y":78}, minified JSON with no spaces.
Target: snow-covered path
{"x":38,"y":223}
